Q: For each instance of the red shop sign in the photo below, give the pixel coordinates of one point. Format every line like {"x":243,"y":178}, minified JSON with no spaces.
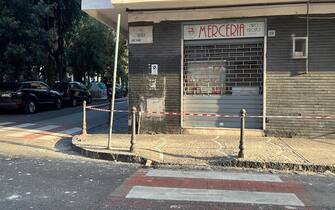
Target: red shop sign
{"x":224,"y":30}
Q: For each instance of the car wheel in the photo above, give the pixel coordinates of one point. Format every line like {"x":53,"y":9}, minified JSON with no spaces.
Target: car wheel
{"x":30,"y":107}
{"x":74,"y":102}
{"x":58,"y":103}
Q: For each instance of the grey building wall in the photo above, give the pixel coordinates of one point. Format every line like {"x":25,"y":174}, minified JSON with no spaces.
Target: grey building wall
{"x":290,"y":91}
{"x":164,"y":92}
{"x":293,"y":92}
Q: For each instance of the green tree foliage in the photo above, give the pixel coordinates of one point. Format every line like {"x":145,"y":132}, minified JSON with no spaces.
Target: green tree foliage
{"x":45,"y":38}
{"x":91,"y":48}
{"x":58,"y":18}
{"x":21,"y":40}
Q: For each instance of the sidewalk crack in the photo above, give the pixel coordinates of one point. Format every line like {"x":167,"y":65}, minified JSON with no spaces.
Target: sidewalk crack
{"x":294,"y":151}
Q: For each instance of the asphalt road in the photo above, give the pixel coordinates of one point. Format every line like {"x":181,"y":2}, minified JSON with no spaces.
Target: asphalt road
{"x":69,"y":116}
{"x":43,"y":183}
{"x":28,"y":183}
{"x":53,"y":129}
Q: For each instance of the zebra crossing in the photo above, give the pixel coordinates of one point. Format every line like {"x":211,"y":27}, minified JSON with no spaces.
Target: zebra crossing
{"x":30,"y":131}
{"x":162,"y":189}
{"x":35,"y":131}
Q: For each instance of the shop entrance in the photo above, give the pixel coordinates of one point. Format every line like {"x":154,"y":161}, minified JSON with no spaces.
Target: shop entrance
{"x":222,"y":77}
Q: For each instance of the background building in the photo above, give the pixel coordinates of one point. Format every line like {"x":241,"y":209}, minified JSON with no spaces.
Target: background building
{"x":273,"y":59}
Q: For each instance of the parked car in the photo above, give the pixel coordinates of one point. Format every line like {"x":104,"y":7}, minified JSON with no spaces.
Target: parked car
{"x":98,"y":90}
{"x":120,"y":91}
{"x":28,"y":96}
{"x":73,"y":93}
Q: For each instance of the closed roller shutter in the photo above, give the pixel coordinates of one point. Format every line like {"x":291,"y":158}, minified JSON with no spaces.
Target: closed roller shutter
{"x":222,"y":77}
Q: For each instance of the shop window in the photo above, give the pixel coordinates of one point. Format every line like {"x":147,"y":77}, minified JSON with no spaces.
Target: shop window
{"x":300,"y":46}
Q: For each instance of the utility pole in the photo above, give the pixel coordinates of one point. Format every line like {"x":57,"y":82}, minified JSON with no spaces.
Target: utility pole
{"x":114,"y":80}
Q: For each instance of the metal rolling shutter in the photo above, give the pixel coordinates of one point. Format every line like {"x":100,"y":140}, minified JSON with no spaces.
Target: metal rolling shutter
{"x":223,"y":76}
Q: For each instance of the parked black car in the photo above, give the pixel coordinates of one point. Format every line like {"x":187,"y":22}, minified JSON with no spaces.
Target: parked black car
{"x":119,"y":90}
{"x":73,"y":93}
{"x":28,"y":96}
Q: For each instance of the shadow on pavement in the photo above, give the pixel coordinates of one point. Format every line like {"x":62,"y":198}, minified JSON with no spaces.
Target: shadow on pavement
{"x":210,"y":159}
{"x":27,"y":145}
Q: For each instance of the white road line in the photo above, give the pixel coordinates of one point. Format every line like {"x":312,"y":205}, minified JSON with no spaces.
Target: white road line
{"x":6,"y":123}
{"x":32,"y":131}
{"x":214,"y":175}
{"x":61,"y":134}
{"x":17,"y":126}
{"x":221,"y":196}
{"x":71,"y":131}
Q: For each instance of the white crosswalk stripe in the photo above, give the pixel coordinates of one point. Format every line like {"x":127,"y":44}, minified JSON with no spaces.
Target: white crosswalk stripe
{"x":222,"y":187}
{"x":6,"y":123}
{"x":60,"y":134}
{"x":25,"y":125}
{"x":32,"y":131}
{"x":71,"y":131}
{"x":215,"y":175}
{"x":220,"y":196}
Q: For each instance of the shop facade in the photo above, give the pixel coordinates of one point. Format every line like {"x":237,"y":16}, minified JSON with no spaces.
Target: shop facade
{"x":219,"y":60}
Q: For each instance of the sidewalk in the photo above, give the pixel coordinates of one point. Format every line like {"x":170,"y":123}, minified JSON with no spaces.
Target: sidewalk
{"x":265,"y":152}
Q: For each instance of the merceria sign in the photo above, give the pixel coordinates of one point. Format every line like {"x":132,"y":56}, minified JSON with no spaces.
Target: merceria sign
{"x":224,"y":30}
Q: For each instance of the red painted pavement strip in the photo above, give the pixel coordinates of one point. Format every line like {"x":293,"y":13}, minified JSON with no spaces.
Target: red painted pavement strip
{"x":54,"y":132}
{"x":118,"y":197}
{"x":126,"y":186}
{"x":285,"y":187}
{"x":305,"y":196}
{"x":217,"y":184}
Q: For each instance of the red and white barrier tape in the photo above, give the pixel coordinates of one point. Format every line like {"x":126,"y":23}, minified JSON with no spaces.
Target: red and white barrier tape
{"x":212,"y":114}
{"x":97,"y":109}
{"x":99,"y":105}
{"x":106,"y":104}
{"x":106,"y":110}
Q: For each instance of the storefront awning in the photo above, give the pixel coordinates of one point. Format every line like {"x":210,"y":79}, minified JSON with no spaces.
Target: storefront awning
{"x":106,"y":11}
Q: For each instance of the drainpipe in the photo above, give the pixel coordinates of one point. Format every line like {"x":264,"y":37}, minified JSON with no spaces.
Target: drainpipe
{"x":307,"y":35}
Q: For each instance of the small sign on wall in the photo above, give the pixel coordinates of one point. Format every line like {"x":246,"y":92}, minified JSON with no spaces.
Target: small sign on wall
{"x":141,"y":35}
{"x":154,"y":69}
{"x":272,"y":33}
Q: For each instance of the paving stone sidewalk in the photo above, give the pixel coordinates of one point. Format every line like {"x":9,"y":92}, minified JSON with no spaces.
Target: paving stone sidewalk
{"x":214,"y":150}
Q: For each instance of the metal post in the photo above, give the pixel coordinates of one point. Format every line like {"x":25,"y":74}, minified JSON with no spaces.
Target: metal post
{"x":84,"y":130}
{"x":133,"y":130}
{"x":114,"y":80}
{"x":139,"y":122}
{"x":108,"y":113}
{"x":111,"y":117}
{"x":243,"y":114}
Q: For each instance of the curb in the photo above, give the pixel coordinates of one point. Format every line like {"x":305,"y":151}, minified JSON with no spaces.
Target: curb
{"x":127,"y":158}
{"x":226,"y":163}
{"x":278,"y":166}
